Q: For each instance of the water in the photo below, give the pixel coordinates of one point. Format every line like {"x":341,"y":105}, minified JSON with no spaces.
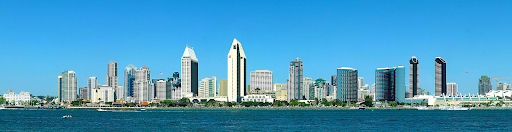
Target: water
{"x":255,"y":120}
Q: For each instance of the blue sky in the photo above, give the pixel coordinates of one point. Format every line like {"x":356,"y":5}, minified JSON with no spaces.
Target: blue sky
{"x":41,"y":39}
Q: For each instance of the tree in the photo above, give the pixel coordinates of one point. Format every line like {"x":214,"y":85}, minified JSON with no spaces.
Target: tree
{"x":2,"y":100}
{"x":184,"y":102}
{"x":368,"y":101}
{"x":75,"y":103}
{"x":294,"y":102}
{"x":317,"y":101}
{"x":392,"y":103}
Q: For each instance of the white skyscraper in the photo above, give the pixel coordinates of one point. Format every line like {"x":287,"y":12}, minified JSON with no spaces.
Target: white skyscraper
{"x":141,"y":85}
{"x":68,"y":87}
{"x":161,"y":89}
{"x":306,"y":88}
{"x":452,"y":89}
{"x":295,"y":85}
{"x":261,"y":79}
{"x":236,"y":72}
{"x":112,"y":79}
{"x":360,"y":82}
{"x":208,"y":87}
{"x":189,"y":72}
{"x":103,"y":93}
{"x":91,"y":84}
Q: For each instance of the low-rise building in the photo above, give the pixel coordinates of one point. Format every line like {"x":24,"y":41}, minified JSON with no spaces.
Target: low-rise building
{"x":103,"y":93}
{"x":281,"y":95}
{"x":17,"y":99}
{"x":258,"y":98}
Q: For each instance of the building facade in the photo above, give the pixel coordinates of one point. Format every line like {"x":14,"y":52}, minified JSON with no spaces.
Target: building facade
{"x":142,"y":84}
{"x":295,"y":80}
{"x":68,"y":87}
{"x":413,"y":76}
{"x":112,"y":79}
{"x":347,"y":84}
{"x":237,"y":70}
{"x":92,"y":83}
{"x":261,"y":79}
{"x":390,"y":84}
{"x":258,"y":98}
{"x":84,"y":93}
{"x":103,"y":93}
{"x":173,"y":87}
{"x":306,"y":82}
{"x":452,"y":89}
{"x":189,"y":72}
{"x":17,"y":99}
{"x":208,"y":87}
{"x":440,"y":82}
{"x":223,"y":88}
{"x":129,"y":80}
{"x":484,"y":85}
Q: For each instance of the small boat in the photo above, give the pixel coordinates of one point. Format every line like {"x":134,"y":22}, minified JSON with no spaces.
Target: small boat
{"x":101,"y":109}
{"x":424,"y":108}
{"x":142,"y":109}
{"x":453,"y":108}
{"x":67,"y":116}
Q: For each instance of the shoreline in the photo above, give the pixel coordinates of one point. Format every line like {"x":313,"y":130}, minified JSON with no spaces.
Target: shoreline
{"x":246,"y":108}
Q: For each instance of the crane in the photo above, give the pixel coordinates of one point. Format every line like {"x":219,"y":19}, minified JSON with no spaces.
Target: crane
{"x":500,"y":79}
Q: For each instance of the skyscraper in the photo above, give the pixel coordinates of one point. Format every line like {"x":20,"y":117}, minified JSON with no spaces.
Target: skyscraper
{"x":223,"y":88}
{"x":295,"y":80}
{"x":484,"y":85}
{"x":112,"y":79}
{"x":390,"y":84}
{"x":347,"y":84}
{"x":237,"y":63}
{"x":161,"y":92}
{"x":440,"y":76}
{"x":452,"y":89}
{"x":189,"y":72}
{"x":173,"y":88}
{"x":59,"y":95}
{"x":68,"y":87}
{"x":360,"y":82}
{"x":261,"y":79}
{"x":129,"y":79}
{"x":141,"y":85}
{"x":153,"y":92}
{"x":91,"y":84}
{"x":84,"y":93}
{"x":334,"y":79}
{"x":208,"y":87}
{"x":413,"y":76}
{"x":306,"y":82}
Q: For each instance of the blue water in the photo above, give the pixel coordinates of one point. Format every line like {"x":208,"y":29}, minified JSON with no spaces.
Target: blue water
{"x":257,"y":120}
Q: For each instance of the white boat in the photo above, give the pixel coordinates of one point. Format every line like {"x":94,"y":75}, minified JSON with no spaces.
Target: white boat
{"x":423,"y":108}
{"x":67,"y":116}
{"x":2,"y":108}
{"x":142,"y":109}
{"x":453,"y":108}
{"x":101,"y":109}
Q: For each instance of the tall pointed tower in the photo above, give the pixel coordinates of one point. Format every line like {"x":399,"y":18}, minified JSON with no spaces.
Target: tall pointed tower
{"x":236,"y":72}
{"x":189,"y":72}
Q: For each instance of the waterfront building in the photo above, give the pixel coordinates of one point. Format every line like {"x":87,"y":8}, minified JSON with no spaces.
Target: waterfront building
{"x":306,"y":81}
{"x":161,"y":89}
{"x":208,"y":87}
{"x":413,"y":76}
{"x":261,"y":79}
{"x":103,"y":93}
{"x":59,"y":95}
{"x":153,"y":89}
{"x":440,"y":76}
{"x":423,"y":92}
{"x":362,"y":93}
{"x":372,"y":89}
{"x":506,"y":86}
{"x":173,"y":87}
{"x":360,"y":82}
{"x":129,"y":80}
{"x":347,"y":84}
{"x":390,"y":84}
{"x":84,"y":93}
{"x":92,"y":83}
{"x":281,"y":95}
{"x":279,"y":86}
{"x":295,"y":80}
{"x":142,"y":84}
{"x":17,"y":99}
{"x":237,"y":63}
{"x":112,"y":79}
{"x":223,"y":88}
{"x":452,"y":89}
{"x":334,"y":80}
{"x":258,"y":98}
{"x":320,"y":88}
{"x":189,"y":72}
{"x":68,"y":87}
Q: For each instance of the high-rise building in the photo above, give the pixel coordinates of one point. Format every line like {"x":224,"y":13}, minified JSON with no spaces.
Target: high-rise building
{"x":413,"y":76}
{"x":208,"y":87}
{"x":390,"y":84}
{"x":347,"y":84}
{"x":161,"y":92}
{"x":334,"y":80}
{"x":68,"y":87}
{"x":83,"y":93}
{"x":373,"y":88}
{"x":506,"y":86}
{"x":360,"y":82}
{"x":295,"y":80}
{"x":112,"y":79}
{"x":237,"y":70}
{"x":189,"y":72}
{"x":92,"y":83}
{"x":103,"y":93}
{"x":129,"y":79}
{"x":306,"y":82}
{"x":223,"y":88}
{"x":320,"y":88}
{"x":484,"y":85}
{"x":59,"y":95}
{"x":142,"y":84}
{"x":451,"y":89}
{"x":440,"y":76}
{"x":153,"y":92}
{"x":173,"y":88}
{"x":261,"y":79}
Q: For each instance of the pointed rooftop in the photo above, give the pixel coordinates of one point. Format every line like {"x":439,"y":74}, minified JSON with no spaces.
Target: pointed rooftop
{"x":236,"y":45}
{"x":189,"y":52}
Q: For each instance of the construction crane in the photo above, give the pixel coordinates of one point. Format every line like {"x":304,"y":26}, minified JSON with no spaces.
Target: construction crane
{"x":500,"y":79}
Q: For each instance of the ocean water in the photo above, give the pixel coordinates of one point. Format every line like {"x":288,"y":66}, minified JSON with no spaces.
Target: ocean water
{"x":255,"y":120}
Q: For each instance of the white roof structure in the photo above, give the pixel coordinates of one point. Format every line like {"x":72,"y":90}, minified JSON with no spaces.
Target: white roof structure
{"x":189,"y":52}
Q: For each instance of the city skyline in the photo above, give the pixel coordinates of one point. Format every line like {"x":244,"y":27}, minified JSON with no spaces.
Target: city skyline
{"x":39,"y":49}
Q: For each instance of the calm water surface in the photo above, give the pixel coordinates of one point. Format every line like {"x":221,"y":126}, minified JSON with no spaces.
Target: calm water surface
{"x":255,"y":120}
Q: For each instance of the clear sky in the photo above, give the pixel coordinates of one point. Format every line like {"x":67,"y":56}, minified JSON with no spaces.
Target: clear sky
{"x":41,"y":39}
